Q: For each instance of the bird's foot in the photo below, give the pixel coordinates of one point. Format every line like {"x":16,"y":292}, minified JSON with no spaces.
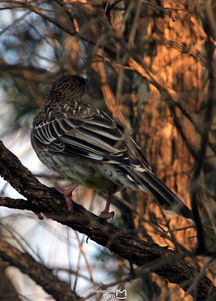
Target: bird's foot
{"x":68,"y":193}
{"x":106,"y":215}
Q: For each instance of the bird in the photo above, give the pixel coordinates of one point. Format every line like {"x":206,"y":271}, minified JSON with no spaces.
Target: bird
{"x":89,"y":147}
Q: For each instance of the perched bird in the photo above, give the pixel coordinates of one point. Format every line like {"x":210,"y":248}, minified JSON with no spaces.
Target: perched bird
{"x":87,"y":147}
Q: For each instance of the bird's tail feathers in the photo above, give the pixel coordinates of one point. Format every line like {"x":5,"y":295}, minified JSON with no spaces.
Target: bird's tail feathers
{"x":147,"y":181}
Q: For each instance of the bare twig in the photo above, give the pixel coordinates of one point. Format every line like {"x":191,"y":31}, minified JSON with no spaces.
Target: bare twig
{"x":201,"y":154}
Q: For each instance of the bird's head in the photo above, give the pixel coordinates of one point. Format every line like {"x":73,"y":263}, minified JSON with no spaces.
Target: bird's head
{"x":68,"y":88}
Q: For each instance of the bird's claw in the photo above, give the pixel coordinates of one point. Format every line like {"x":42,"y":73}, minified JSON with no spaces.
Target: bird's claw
{"x":68,"y":192}
{"x":69,"y":203}
{"x":105,"y":215}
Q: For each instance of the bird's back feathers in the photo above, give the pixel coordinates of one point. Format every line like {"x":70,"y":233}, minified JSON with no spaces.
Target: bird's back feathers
{"x":75,"y":129}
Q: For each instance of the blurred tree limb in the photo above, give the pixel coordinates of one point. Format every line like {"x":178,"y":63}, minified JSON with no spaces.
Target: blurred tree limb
{"x":27,"y":73}
{"x":7,"y":289}
{"x":38,"y":272}
{"x":49,"y":202}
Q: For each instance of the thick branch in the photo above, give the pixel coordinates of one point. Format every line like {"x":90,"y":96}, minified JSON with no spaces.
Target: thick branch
{"x":26,"y":184}
{"x":51,"y":203}
{"x":38,"y":272}
{"x":123,"y":243}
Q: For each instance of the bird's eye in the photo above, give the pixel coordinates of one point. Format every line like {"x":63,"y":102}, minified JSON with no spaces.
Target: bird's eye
{"x":83,"y":81}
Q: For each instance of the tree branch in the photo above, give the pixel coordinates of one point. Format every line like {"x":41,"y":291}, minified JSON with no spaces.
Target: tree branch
{"x":122,"y":242}
{"x":38,"y":272}
{"x":198,"y":165}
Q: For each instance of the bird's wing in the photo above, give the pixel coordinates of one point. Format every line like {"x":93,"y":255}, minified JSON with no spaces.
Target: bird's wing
{"x":83,"y":131}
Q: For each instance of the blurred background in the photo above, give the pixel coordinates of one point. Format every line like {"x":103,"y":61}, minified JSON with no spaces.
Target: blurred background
{"x":151,"y":64}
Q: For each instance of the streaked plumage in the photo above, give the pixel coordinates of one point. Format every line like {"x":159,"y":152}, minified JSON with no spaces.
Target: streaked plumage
{"x":87,"y":147}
